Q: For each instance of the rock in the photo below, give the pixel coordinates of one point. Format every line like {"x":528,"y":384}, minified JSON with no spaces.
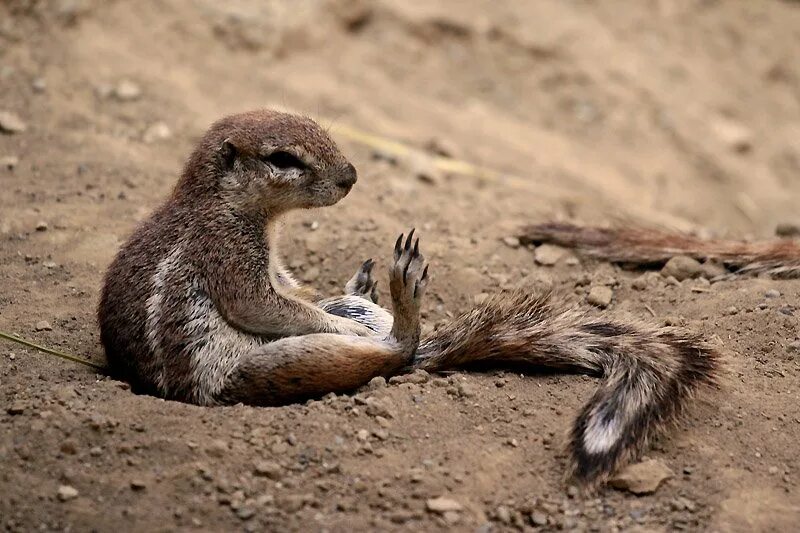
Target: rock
{"x":736,"y":136}
{"x":787,"y":229}
{"x":466,"y":390}
{"x":11,"y":123}
{"x":642,"y":478}
{"x":418,"y":377}
{"x":378,"y":382}
{"x":772,"y":293}
{"x":538,"y":519}
{"x":41,"y":226}
{"x":641,"y":283}
{"x":548,"y":254}
{"x":9,"y":162}
{"x":376,"y":407}
{"x":43,"y":325}
{"x":511,"y":242}
{"x":39,"y":85}
{"x":424,"y":168}
{"x":69,"y":446}
{"x":67,"y":492}
{"x":452,"y":517}
{"x":217,"y":448}
{"x":268,"y":469}
{"x":794,"y":346}
{"x":127,"y":91}
{"x":157,"y":132}
{"x":138,"y":485}
{"x":16,"y":408}
{"x":572,"y":491}
{"x":681,"y":267}
{"x":503,"y":514}
{"x":442,"y":505}
{"x":600,"y":296}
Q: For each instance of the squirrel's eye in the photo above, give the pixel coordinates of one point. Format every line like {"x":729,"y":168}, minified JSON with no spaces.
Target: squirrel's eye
{"x":284,"y":160}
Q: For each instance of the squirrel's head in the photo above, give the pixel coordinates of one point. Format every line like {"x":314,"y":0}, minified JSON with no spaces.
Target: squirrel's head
{"x":269,"y":160}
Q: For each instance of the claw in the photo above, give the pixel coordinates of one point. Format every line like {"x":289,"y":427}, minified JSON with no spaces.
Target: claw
{"x":374,"y":293}
{"x":416,"y":247}
{"x":397,"y":248}
{"x":367,"y":266}
{"x":424,"y":273}
{"x":408,"y":240}
{"x":405,"y":271}
{"x":416,"y":288}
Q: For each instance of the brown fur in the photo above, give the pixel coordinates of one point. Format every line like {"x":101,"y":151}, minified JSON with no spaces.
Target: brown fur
{"x":650,"y":375}
{"x":778,"y":258}
{"x":197,"y":306}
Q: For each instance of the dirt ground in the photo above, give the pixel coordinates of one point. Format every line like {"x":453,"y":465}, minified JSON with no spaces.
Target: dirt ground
{"x":672,"y":112}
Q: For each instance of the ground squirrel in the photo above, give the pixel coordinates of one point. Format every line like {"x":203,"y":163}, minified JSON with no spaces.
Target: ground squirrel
{"x":198,"y":307}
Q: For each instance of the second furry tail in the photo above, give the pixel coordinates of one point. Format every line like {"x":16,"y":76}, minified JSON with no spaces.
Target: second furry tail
{"x":779,"y":258}
{"x":649,"y":375}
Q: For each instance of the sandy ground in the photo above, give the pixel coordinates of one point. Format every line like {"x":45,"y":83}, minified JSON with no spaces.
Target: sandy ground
{"x":678,"y":113}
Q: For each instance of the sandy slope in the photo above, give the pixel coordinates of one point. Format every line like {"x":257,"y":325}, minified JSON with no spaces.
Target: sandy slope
{"x":685,"y":113}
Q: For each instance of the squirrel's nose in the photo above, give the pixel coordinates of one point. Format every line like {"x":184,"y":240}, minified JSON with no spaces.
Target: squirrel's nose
{"x":348,"y":177}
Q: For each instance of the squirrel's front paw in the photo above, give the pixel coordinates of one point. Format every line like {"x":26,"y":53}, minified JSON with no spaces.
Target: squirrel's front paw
{"x":362,"y":284}
{"x":408,"y":276}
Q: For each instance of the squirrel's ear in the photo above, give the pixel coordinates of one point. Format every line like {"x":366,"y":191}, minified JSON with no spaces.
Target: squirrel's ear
{"x":228,"y":153}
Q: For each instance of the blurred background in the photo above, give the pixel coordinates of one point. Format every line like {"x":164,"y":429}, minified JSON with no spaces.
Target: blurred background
{"x":684,"y":112}
{"x":466,"y":119}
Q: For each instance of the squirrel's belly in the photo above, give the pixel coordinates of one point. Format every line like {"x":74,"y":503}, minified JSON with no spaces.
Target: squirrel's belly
{"x":193,"y":349}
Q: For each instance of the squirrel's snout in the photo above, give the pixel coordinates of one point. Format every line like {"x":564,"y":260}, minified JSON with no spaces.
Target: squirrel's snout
{"x":348,"y":177}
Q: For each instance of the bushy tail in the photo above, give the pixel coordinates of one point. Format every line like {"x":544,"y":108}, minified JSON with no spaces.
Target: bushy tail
{"x":649,"y":374}
{"x":779,"y":258}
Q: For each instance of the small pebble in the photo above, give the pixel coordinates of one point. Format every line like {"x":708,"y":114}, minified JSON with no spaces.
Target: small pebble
{"x":503,"y":514}
{"x":39,"y":85}
{"x":268,"y":469}
{"x":600,"y":296}
{"x":43,"y":325}
{"x":442,"y":505}
{"x":16,"y":408}
{"x":466,"y":390}
{"x":788,"y":229}
{"x":378,"y":382}
{"x":11,"y":123}
{"x":127,"y":91}
{"x":548,"y":254}
{"x":772,"y":293}
{"x":681,"y":267}
{"x":138,"y":485}
{"x":511,"y":242}
{"x":41,"y":226}
{"x":9,"y":162}
{"x":67,"y":492}
{"x":538,"y":519}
